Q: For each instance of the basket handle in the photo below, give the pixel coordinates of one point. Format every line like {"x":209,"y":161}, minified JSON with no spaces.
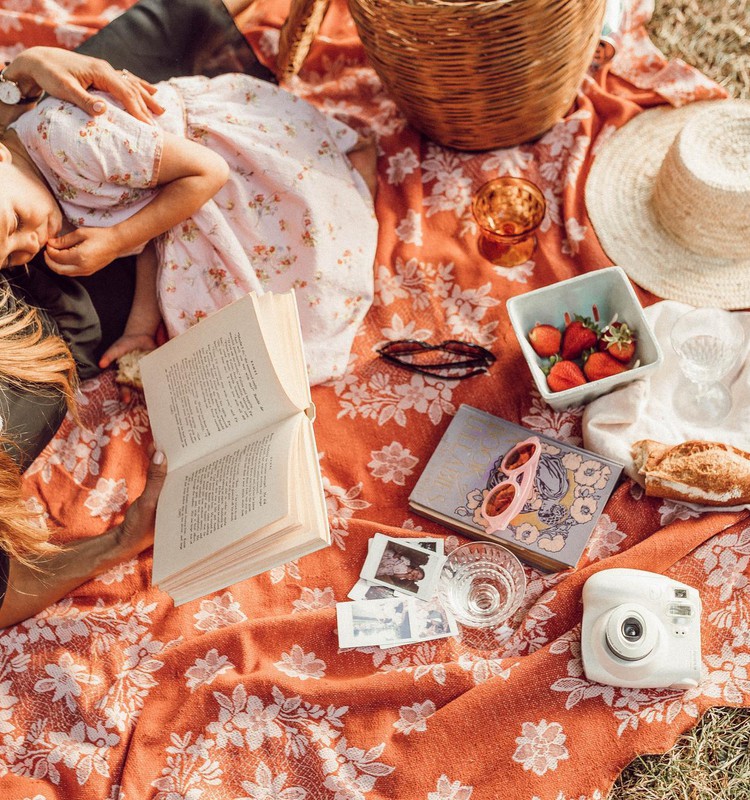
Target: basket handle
{"x":297,"y":34}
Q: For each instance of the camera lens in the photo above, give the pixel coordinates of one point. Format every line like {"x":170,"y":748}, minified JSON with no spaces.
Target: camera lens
{"x":632,"y":629}
{"x":631,"y":632}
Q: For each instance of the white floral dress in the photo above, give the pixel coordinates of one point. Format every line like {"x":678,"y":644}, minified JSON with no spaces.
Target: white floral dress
{"x":294,"y":214}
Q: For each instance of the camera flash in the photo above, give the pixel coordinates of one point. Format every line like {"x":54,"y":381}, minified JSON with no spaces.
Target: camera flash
{"x":680,"y":610}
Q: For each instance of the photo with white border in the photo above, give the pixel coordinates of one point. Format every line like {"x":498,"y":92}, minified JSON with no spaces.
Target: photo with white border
{"x":373,"y":623}
{"x":409,"y":569}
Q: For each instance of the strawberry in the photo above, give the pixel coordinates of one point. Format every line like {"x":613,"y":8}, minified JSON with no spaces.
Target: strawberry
{"x":564,"y":375}
{"x":580,"y":334}
{"x":619,"y":341}
{"x":545,"y":339}
{"x":601,"y":365}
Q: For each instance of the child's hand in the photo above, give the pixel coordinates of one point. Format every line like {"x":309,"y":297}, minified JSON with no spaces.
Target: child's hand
{"x":126,"y":343}
{"x":128,"y":376}
{"x":83,"y":251}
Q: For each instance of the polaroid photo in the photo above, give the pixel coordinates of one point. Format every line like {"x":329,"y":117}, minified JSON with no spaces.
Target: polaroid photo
{"x":408,"y":569}
{"x":428,"y":621}
{"x":435,"y":545}
{"x":373,"y":623}
{"x":364,"y":590}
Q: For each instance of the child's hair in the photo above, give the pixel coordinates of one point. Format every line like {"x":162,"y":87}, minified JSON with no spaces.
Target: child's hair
{"x":35,"y":362}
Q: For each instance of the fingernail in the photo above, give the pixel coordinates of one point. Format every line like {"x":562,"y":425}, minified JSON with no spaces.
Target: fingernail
{"x":99,"y":106}
{"x":158,"y":458}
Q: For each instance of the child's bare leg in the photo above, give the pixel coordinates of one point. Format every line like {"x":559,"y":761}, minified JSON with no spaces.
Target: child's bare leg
{"x":364,"y":158}
{"x":145,"y":316}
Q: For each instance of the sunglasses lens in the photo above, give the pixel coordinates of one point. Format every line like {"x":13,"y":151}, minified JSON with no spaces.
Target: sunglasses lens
{"x":520,"y":455}
{"x":461,"y":348}
{"x":468,"y":350}
{"x":500,"y":498}
{"x":404,"y":348}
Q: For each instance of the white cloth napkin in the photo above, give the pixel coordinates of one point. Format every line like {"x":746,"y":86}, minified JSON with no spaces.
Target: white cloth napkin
{"x":643,"y":409}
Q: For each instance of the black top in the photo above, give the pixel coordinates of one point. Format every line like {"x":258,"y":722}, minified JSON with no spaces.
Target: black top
{"x":89,"y":314}
{"x":155,"y":39}
{"x":161,"y":39}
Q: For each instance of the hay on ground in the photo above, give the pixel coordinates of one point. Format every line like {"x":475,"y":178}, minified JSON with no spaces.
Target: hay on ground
{"x":713,"y":35}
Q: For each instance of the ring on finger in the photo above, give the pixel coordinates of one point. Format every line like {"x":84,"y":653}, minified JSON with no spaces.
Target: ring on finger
{"x":125,"y":74}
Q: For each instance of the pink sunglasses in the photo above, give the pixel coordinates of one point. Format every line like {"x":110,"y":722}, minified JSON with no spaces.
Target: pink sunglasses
{"x":505,"y":500}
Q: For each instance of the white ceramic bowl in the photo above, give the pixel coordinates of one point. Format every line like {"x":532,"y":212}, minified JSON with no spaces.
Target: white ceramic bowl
{"x":610,"y":290}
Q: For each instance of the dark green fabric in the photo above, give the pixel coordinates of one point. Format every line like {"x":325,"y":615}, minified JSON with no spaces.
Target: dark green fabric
{"x":160,"y":39}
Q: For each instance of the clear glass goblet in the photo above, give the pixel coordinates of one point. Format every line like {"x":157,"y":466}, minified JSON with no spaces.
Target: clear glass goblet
{"x":482,"y":584}
{"x":707,"y":342}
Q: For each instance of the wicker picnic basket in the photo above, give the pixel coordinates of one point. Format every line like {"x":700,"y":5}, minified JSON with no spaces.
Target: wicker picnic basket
{"x":480,"y":74}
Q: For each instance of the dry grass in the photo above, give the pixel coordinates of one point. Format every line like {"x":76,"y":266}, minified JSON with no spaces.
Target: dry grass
{"x":713,"y":35}
{"x":712,"y":761}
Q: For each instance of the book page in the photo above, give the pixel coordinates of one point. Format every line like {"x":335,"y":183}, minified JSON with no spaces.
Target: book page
{"x":216,"y":382}
{"x":280,"y":326}
{"x":304,"y":531}
{"x":219,"y":499}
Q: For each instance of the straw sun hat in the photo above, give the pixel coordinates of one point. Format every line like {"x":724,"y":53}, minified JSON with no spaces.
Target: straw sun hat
{"x":669,"y":198}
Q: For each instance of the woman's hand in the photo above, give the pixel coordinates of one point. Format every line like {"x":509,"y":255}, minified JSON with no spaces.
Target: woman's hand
{"x":136,"y":532}
{"x":126,"y":344}
{"x":69,"y":75}
{"x":32,"y":590}
{"x":83,"y":251}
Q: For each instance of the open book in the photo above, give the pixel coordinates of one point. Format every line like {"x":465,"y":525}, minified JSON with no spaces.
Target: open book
{"x":229,"y":404}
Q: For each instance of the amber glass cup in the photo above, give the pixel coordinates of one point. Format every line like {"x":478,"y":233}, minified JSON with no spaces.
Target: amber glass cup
{"x":508,"y":211}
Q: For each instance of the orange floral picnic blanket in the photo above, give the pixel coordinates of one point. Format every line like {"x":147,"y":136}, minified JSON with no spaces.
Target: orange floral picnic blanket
{"x":114,"y":694}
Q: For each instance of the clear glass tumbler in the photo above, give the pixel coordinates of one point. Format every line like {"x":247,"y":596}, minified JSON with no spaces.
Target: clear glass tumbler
{"x":482,"y":584}
{"x":707,"y":342}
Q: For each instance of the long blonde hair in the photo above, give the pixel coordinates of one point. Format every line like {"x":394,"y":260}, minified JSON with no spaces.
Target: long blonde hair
{"x":33,"y":361}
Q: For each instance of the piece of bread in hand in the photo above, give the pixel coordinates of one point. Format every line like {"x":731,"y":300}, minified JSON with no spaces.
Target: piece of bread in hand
{"x":128,"y":371}
{"x":707,"y":473}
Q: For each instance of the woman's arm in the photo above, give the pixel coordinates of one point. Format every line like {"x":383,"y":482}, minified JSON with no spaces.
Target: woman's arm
{"x":69,"y":75}
{"x":31,"y":591}
{"x":189,"y":175}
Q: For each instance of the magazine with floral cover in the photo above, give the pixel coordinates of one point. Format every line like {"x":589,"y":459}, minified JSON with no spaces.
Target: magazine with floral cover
{"x":571,"y":488}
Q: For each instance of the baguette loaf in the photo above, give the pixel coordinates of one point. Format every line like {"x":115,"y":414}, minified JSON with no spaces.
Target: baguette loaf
{"x":707,"y":473}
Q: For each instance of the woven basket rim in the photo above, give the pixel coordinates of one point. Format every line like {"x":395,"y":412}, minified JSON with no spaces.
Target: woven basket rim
{"x":480,"y":74}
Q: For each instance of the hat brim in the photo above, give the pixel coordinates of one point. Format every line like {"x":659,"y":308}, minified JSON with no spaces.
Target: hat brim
{"x":618,"y":201}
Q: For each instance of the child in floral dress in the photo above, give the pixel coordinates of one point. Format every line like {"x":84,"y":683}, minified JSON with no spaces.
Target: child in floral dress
{"x":289,"y":212}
